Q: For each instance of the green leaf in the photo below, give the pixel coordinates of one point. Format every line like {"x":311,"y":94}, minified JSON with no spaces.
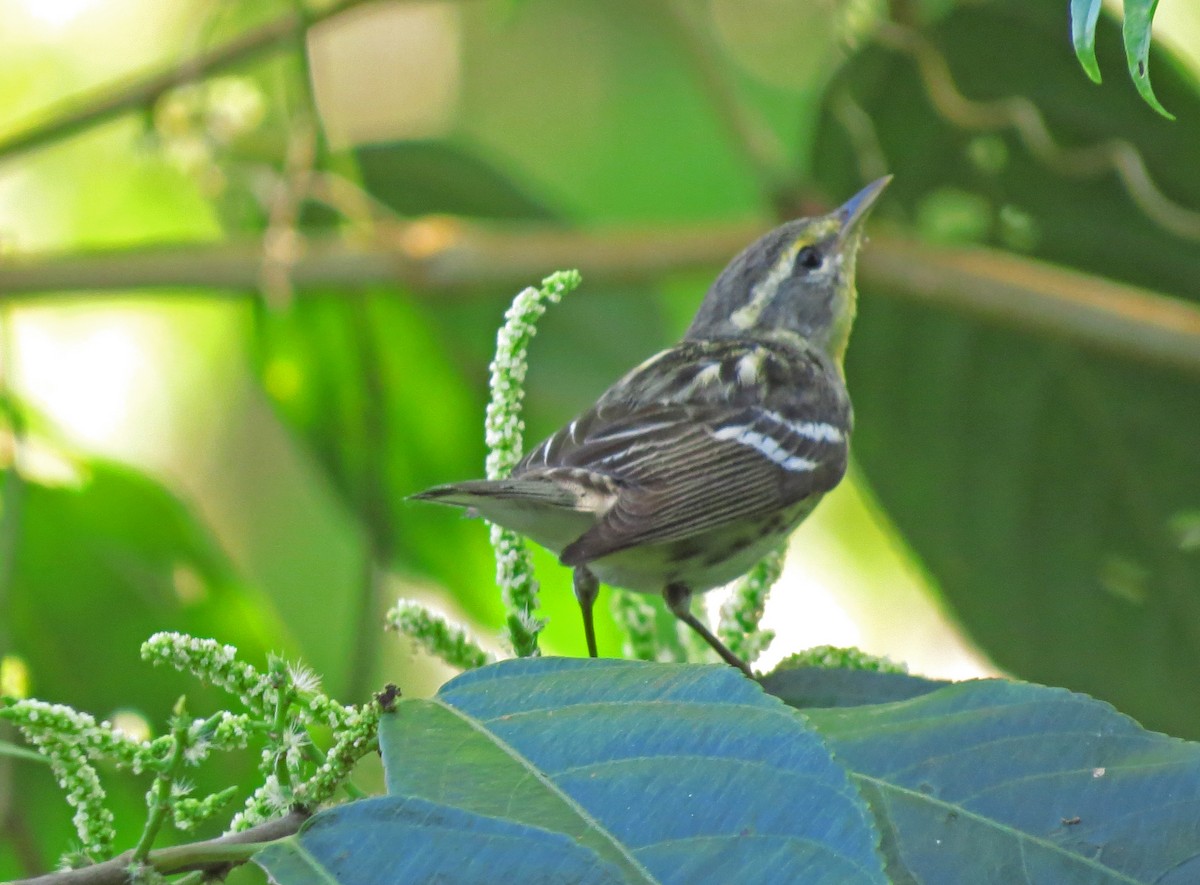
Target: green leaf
{"x":1139,"y":15}
{"x":1084,"y":14}
{"x":369,"y":384}
{"x":618,"y":770}
{"x":1037,"y":482}
{"x":104,"y":557}
{"x":805,"y":687}
{"x":1020,"y":783}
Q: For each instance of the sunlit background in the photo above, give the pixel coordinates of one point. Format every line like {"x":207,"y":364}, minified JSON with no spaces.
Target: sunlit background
{"x":162,"y":385}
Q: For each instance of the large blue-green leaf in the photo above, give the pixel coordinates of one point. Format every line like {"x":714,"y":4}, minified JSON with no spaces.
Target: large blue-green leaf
{"x":413,"y":840}
{"x":1000,"y":782}
{"x":1044,"y":486}
{"x":618,"y":770}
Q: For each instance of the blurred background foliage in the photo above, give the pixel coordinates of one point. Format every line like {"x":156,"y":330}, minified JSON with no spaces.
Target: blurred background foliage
{"x":252,"y":258}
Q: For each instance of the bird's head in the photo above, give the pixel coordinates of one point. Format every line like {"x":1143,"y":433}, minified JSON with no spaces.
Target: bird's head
{"x":798,"y":278}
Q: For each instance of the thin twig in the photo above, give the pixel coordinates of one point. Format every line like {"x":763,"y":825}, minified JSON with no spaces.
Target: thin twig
{"x":213,"y":854}
{"x":438,"y":258}
{"x":93,"y":108}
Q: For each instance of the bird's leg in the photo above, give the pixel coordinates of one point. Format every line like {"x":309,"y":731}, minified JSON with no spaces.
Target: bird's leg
{"x":586,"y":588}
{"x":679,"y":601}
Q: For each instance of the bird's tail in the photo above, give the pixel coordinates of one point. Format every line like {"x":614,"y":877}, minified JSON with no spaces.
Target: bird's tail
{"x":473,"y":492}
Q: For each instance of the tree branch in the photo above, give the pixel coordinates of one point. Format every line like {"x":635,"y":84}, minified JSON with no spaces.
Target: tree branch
{"x":213,"y":854}
{"x":445,"y":257}
{"x":101,"y":105}
{"x":1040,"y":298}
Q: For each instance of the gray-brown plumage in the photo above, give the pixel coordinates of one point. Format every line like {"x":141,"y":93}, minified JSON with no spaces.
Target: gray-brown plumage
{"x":702,"y":459}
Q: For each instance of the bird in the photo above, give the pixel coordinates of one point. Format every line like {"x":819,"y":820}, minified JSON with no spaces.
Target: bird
{"x":703,"y":458}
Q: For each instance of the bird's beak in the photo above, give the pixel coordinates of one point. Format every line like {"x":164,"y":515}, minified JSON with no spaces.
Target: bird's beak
{"x":855,"y":209}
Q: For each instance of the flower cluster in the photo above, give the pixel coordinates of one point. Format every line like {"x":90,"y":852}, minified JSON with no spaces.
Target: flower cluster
{"x":828,"y":657}
{"x":435,"y":633}
{"x":504,"y":435}
{"x":213,"y":663}
{"x":283,"y":704}
{"x":72,"y":741}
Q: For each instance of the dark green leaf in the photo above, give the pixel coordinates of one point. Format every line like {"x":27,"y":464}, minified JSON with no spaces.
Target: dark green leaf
{"x":1020,"y":783}
{"x":632,"y":772}
{"x":424,"y":177}
{"x":805,"y":687}
{"x":1084,"y":14}
{"x":1037,"y":482}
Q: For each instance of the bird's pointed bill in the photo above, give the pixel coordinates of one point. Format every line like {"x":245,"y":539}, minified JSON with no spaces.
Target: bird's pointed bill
{"x":854,"y":210}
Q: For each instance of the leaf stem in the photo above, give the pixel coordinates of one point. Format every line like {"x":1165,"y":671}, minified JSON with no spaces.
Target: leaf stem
{"x":160,"y":790}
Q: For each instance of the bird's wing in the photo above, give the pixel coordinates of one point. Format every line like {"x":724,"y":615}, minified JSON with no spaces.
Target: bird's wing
{"x":680,"y":470}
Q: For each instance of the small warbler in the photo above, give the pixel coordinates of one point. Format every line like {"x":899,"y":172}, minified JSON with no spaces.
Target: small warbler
{"x":703,"y":459}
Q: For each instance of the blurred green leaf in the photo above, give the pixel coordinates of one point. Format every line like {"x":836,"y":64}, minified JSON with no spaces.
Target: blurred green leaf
{"x":116,"y":552}
{"x":366,"y":381}
{"x":1020,"y":783}
{"x":1019,"y":467}
{"x":375,"y":383}
{"x":559,"y":91}
{"x":530,"y":764}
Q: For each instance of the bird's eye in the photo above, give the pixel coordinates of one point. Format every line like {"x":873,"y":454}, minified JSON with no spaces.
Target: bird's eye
{"x":808,"y":258}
